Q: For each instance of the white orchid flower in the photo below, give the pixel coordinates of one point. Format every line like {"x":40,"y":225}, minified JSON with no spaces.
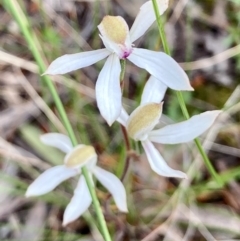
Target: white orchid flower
{"x":76,"y":158}
{"x":141,"y":122}
{"x":118,"y":41}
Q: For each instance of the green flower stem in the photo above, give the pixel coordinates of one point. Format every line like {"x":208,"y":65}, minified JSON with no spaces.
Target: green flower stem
{"x":124,"y":165}
{"x":123,"y":68}
{"x":97,"y":206}
{"x":33,"y":44}
{"x":14,"y":8}
{"x":180,"y":96}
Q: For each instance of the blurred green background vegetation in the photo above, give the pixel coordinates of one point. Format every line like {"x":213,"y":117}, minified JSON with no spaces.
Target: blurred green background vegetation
{"x":204,"y":39}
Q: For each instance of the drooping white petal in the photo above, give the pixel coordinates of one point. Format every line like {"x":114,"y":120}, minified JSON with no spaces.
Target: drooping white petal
{"x":60,"y":141}
{"x":49,"y":179}
{"x":184,"y":131}
{"x":114,"y":186}
{"x":108,"y":90}
{"x":154,"y":91}
{"x":157,"y":162}
{"x":161,"y":66}
{"x":79,"y":203}
{"x":71,"y":62}
{"x":123,"y":118}
{"x":146,"y":18}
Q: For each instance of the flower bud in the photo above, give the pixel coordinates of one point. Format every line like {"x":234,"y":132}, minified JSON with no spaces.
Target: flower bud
{"x":143,"y":119}
{"x":80,"y":155}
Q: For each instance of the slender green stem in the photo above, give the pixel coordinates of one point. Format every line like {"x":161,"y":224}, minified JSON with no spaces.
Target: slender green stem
{"x":180,"y":96}
{"x":182,"y":104}
{"x":205,"y":157}
{"x":128,"y":149}
{"x":97,"y":206}
{"x":34,"y":45}
{"x":123,"y":68}
{"x":126,"y":164}
{"x":161,"y":27}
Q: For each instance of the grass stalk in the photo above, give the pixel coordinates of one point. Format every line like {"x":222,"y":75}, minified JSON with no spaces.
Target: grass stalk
{"x":14,"y":8}
{"x":181,"y":101}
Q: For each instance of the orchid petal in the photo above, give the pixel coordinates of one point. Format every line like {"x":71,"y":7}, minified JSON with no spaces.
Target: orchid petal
{"x":60,"y":141}
{"x":154,"y":91}
{"x":184,"y":131}
{"x":108,"y":90}
{"x":49,"y":179}
{"x":123,"y":118}
{"x":114,"y":186}
{"x":71,"y":62}
{"x":157,"y":162}
{"x":79,"y":203}
{"x":145,"y":18}
{"x":162,"y":67}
